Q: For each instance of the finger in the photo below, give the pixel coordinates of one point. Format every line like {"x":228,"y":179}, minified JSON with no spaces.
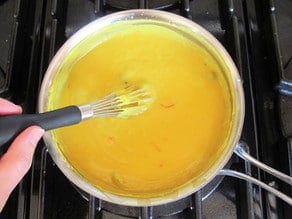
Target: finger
{"x":17,"y":160}
{"x":7,"y":108}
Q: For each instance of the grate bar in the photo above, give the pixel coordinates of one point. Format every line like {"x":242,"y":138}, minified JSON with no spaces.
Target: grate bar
{"x":196,"y":205}
{"x":249,"y":189}
{"x":53,"y":38}
{"x":98,"y":6}
{"x":186,"y":9}
{"x":143,"y":4}
{"x":230,"y":8}
{"x":17,"y":9}
{"x":146,"y":212}
{"x":54,"y":7}
{"x":237,"y":48}
{"x":92,"y":209}
{"x":252,"y":192}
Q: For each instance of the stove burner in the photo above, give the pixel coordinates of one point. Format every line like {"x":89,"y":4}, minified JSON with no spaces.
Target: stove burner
{"x":133,"y":4}
{"x":257,"y":35}
{"x":172,"y":208}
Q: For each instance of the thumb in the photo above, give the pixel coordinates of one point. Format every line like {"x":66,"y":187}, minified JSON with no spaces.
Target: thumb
{"x":15,"y":163}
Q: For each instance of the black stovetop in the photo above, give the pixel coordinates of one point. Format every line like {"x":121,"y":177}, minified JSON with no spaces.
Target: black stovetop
{"x":258,"y":36}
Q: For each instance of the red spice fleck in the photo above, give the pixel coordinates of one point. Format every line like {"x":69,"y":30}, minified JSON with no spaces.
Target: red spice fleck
{"x":161,"y":165}
{"x":111,"y":138}
{"x":156,"y":147}
{"x":167,"y":105}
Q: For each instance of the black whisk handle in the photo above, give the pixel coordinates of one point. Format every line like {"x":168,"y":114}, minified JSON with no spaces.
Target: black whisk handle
{"x":11,"y":126}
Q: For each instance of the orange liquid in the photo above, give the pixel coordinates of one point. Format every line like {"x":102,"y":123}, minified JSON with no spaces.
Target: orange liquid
{"x":176,"y":140}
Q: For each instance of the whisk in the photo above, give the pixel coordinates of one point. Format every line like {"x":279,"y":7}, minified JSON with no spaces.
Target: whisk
{"x":130,"y":101}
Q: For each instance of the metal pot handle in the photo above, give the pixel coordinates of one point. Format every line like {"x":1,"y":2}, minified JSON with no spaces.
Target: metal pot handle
{"x":241,"y":152}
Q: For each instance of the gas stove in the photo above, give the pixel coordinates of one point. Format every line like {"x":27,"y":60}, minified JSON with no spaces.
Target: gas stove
{"x":257,"y":34}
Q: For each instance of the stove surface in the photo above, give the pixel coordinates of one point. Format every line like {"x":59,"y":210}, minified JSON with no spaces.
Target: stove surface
{"x":257,"y":34}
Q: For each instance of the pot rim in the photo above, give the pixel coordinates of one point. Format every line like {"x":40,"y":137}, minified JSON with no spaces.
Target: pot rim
{"x":172,"y":19}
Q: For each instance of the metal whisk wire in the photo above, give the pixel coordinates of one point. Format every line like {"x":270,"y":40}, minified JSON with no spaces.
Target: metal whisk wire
{"x":129,"y":101}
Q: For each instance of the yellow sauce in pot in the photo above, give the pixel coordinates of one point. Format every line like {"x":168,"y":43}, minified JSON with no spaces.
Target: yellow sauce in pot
{"x":176,"y":140}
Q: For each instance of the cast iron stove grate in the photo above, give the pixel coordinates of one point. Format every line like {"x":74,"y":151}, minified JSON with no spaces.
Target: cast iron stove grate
{"x":34,"y":30}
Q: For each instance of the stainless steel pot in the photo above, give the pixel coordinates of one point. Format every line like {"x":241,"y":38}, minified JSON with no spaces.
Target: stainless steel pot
{"x":194,"y":32}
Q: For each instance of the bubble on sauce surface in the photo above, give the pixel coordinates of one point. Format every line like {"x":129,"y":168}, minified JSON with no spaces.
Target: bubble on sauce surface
{"x":119,"y":180}
{"x":212,"y":75}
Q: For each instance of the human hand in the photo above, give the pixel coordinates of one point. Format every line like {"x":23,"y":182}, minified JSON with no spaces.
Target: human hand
{"x":15,"y":163}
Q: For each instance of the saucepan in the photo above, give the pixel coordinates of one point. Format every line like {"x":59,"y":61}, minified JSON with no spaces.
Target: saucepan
{"x":186,"y":28}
